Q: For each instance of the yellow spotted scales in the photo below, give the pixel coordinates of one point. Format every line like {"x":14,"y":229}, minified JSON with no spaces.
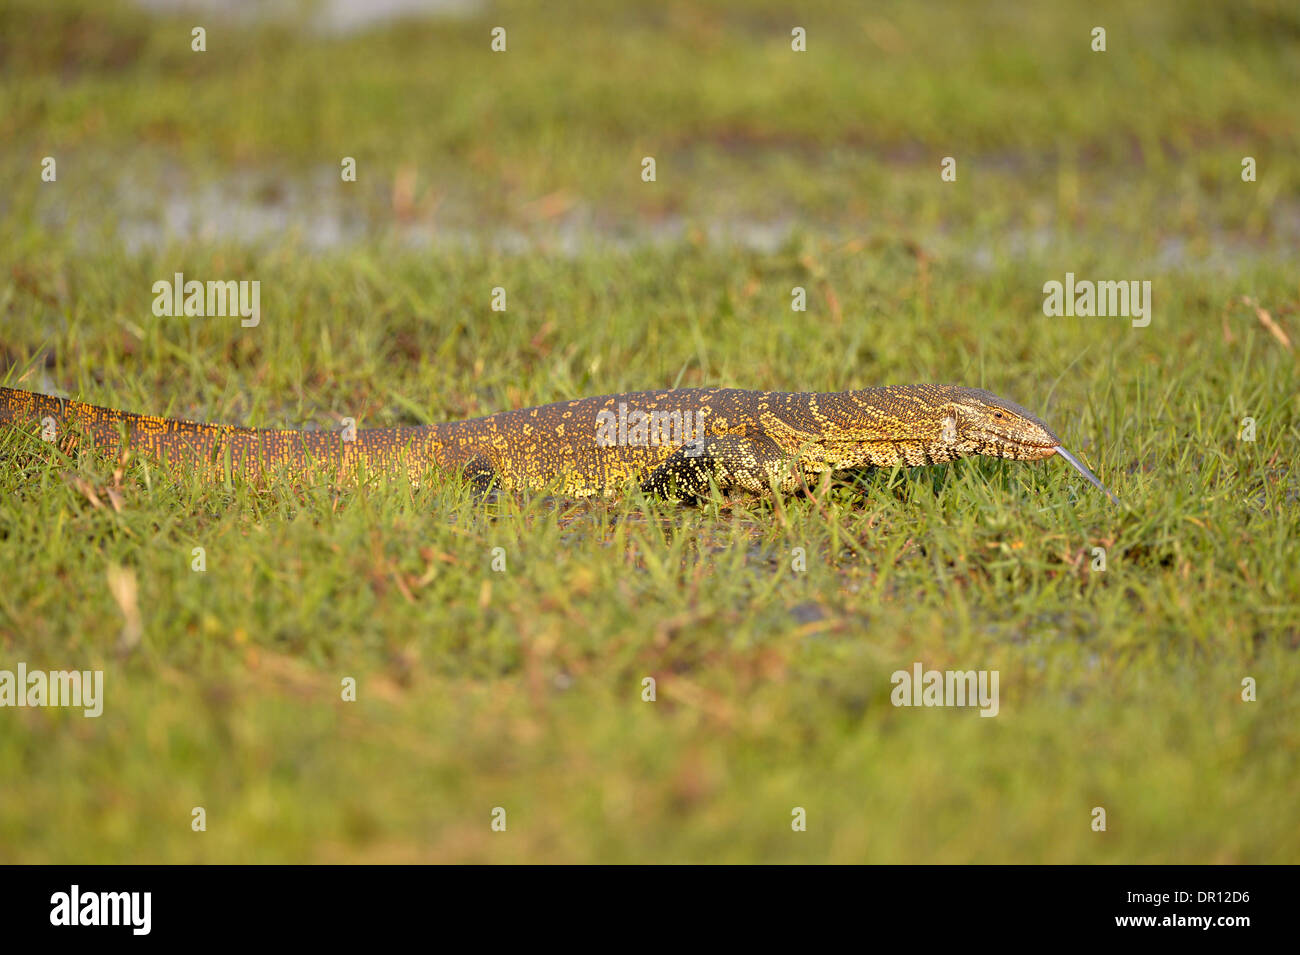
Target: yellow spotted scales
{"x":675,"y":443}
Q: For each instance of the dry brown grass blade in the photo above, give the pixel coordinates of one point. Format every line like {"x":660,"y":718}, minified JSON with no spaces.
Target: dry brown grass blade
{"x":122,"y":585}
{"x":1267,"y":321}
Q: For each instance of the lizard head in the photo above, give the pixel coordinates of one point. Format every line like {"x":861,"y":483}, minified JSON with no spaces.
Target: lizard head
{"x":979,"y":422}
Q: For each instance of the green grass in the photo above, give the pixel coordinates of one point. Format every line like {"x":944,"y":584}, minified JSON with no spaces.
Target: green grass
{"x":522,"y":688}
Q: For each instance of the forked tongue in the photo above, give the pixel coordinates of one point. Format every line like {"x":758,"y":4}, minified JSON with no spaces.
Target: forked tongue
{"x":1079,"y":466}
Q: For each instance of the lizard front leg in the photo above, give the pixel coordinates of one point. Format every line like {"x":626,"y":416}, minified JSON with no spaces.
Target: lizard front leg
{"x":729,"y":462}
{"x":483,"y":478}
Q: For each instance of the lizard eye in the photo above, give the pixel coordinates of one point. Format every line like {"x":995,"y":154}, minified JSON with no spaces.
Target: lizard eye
{"x":997,"y":414}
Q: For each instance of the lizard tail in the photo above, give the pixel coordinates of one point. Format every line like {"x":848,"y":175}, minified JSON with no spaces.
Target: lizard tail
{"x":214,"y":450}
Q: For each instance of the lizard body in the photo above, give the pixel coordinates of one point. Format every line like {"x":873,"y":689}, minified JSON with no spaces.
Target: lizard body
{"x":676,"y":443}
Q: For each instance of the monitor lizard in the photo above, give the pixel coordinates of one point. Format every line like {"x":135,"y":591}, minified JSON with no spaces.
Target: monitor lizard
{"x":676,"y":443}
